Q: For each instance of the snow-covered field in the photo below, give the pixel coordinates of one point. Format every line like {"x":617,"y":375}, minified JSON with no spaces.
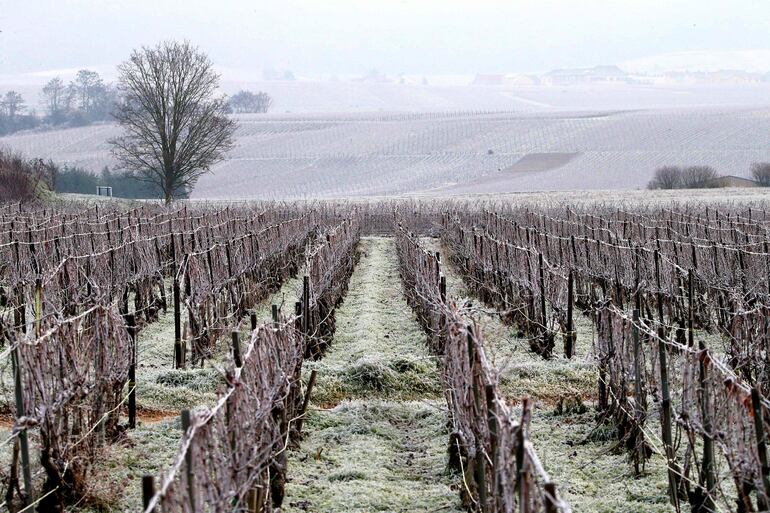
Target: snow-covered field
{"x":333,"y":155}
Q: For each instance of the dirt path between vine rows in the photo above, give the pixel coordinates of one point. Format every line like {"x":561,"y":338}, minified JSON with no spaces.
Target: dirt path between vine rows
{"x":376,"y":435}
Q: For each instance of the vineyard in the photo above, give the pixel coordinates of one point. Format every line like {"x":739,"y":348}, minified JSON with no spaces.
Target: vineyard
{"x":384,"y":356}
{"x":281,"y":156}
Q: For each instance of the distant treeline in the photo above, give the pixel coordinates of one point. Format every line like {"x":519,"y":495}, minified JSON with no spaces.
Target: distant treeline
{"x":88,"y":99}
{"x":124,"y":185}
{"x":702,"y":177}
{"x":24,"y":179}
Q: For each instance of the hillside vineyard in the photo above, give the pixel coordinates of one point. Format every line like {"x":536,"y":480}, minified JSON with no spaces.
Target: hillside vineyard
{"x":280,"y":156}
{"x":307,"y":356}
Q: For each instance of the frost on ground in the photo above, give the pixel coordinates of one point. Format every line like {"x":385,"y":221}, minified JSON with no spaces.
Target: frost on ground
{"x":582,"y":457}
{"x":375,"y":438}
{"x":162,"y":392}
{"x":378,"y":348}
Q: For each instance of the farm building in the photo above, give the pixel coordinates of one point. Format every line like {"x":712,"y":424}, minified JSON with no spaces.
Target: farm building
{"x":733,"y":181}
{"x":511,"y":79}
{"x":595,"y":75}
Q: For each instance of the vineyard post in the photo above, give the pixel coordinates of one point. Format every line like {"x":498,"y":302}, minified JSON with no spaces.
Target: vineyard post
{"x":569,"y":340}
{"x":177,"y":326}
{"x":673,"y":471}
{"x":638,"y":374}
{"x":759,"y":427}
{"x":492,"y":426}
{"x":20,"y":312}
{"x":253,"y":319}
{"x":148,"y":491}
{"x":708,"y":435}
{"x":38,"y":306}
{"x":252,"y":499}
{"x":550,"y":497}
{"x":742,"y":267}
{"x":173,"y":250}
{"x":161,"y":286}
{"x":123,"y":307}
{"x":306,"y":401}
{"x":306,"y":308}
{"x":521,"y":482}
{"x":192,"y":328}
{"x":666,"y":419}
{"x":23,"y":440}
{"x":236,"y":348}
{"x":542,"y":292}
{"x":690,"y":310}
{"x":481,"y":482}
{"x":659,"y":294}
{"x":274,"y":313}
{"x":131,"y":325}
{"x":442,"y":313}
{"x":189,"y":459}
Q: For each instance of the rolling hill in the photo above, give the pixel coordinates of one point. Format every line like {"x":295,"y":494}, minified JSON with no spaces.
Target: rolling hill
{"x":333,"y":155}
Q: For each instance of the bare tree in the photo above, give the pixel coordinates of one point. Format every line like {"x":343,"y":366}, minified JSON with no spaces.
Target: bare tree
{"x":666,"y":177}
{"x":55,"y":98}
{"x":176,"y":127}
{"x":85,"y":89}
{"x":761,"y":173}
{"x":246,"y":101}
{"x":12,"y":104}
{"x":698,"y":177}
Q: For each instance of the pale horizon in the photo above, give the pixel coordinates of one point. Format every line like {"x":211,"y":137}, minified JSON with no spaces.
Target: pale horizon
{"x":343,"y":38}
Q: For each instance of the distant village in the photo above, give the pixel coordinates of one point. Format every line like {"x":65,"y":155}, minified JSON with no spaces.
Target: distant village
{"x":615,"y":75}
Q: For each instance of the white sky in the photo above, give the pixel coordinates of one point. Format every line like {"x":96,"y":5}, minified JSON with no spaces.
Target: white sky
{"x":351,"y":37}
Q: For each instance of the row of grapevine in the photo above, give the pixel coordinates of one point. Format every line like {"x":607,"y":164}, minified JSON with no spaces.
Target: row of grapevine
{"x":70,"y":334}
{"x":501,"y":469}
{"x":233,"y":456}
{"x":653,"y":282}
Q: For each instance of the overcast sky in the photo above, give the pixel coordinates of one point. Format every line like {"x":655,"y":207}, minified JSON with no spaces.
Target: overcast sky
{"x":351,"y":37}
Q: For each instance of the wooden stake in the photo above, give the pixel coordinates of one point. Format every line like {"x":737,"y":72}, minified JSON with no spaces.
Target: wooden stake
{"x":236,"y":349}
{"x":759,"y":428}
{"x":708,"y":470}
{"x":551,"y":503}
{"x":306,"y":400}
{"x":521,"y":485}
{"x":442,"y":288}
{"x":189,"y":460}
{"x":638,"y":373}
{"x":148,"y":492}
{"x":252,"y":499}
{"x":178,"y":362}
{"x":38,"y":306}
{"x":492,"y":426}
{"x":306,"y":305}
{"x":542,"y":291}
{"x":23,"y":440}
{"x":673,"y":482}
{"x":481,"y":478}
{"x":131,"y":327}
{"x":690,"y":310}
{"x":571,"y":335}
